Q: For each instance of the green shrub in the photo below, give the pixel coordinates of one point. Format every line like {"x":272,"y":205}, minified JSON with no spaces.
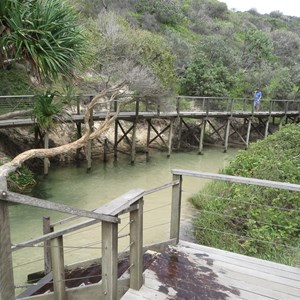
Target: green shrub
{"x":166,"y":12}
{"x":21,"y":180}
{"x":252,"y":220}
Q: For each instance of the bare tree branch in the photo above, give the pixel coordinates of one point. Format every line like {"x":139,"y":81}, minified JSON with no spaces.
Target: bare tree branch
{"x":107,"y":95}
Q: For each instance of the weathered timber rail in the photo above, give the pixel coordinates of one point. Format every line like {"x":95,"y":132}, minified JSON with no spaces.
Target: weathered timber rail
{"x":226,"y":119}
{"x":282,"y":282}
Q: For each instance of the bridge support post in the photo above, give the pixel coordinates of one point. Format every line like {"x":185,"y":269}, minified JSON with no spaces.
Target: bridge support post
{"x":79,"y":135}
{"x":202,"y":132}
{"x":248,"y":133}
{"x":170,"y":137}
{"x":89,"y":155}
{"x":179,"y":133}
{"x":89,"y":143}
{"x":78,"y":127}
{"x":105,"y":149}
{"x":267,"y":128}
{"x":227,"y":134}
{"x":176,"y":208}
{"x":116,"y":140}
{"x":7,"y":288}
{"x":133,"y":142}
{"x":136,"y":246}
{"x":109,"y":260}
{"x":148,"y":139}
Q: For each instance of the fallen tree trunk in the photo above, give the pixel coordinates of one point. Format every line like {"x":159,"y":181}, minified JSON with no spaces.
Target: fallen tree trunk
{"x":106,"y":97}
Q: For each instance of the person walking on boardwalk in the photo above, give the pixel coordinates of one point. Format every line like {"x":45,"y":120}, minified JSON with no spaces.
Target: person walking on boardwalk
{"x":257,"y":98}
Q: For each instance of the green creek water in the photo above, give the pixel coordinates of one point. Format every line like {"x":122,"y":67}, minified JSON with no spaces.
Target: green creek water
{"x":75,"y":187}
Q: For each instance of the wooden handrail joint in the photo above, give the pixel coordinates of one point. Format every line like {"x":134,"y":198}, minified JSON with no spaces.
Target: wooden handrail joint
{"x":31,"y":201}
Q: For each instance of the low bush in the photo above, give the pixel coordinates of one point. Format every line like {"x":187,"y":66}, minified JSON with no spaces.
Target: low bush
{"x":256,"y":221}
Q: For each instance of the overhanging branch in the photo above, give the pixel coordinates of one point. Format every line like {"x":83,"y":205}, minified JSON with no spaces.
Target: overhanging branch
{"x":107,"y":95}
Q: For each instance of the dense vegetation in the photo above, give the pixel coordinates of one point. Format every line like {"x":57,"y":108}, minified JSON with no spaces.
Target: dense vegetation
{"x":216,"y":52}
{"x":262,"y":222}
{"x":194,"y":47}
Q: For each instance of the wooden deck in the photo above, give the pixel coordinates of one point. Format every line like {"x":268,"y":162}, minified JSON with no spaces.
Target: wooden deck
{"x":193,"y":272}
{"x":19,"y":122}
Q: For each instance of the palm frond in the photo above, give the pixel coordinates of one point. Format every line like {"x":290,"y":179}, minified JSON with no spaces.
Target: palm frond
{"x":46,"y":33}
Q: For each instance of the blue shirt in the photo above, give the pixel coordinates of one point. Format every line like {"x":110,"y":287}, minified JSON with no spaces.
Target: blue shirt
{"x":257,"y":95}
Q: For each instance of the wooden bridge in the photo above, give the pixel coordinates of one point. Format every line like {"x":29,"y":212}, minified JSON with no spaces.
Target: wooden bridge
{"x":176,"y":269}
{"x":226,"y":119}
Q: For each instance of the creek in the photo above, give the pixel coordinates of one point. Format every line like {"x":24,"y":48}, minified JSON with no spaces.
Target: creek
{"x":74,"y":186}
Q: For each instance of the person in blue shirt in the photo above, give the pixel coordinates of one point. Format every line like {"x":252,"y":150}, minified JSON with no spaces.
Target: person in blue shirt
{"x":257,"y":98}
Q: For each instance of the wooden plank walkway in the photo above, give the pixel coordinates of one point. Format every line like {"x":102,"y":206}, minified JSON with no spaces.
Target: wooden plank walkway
{"x":193,"y":272}
{"x":18,"y":122}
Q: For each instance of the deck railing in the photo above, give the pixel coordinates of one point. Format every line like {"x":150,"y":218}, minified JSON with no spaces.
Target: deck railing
{"x":109,"y":215}
{"x":178,"y":104}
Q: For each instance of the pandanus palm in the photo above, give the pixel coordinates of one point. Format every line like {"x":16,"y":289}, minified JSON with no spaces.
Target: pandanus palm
{"x":43,"y":32}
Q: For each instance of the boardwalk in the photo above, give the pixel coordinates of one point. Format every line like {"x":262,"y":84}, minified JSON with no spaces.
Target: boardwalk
{"x":193,"y":272}
{"x":223,"y":120}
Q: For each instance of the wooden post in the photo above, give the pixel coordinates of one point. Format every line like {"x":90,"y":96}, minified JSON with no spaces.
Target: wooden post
{"x":202,"y":132}
{"x":179,"y":133}
{"x":109,"y":260}
{"x":267,"y":127}
{"x":170,"y":137}
{"x":57,"y":254}
{"x":105,"y":149}
{"x":136,"y":246}
{"x":47,"y":228}
{"x":207,"y":107}
{"x":158,"y":109}
{"x":227,"y":134}
{"x":7,"y":288}
{"x":89,"y":143}
{"x":203,"y":104}
{"x":89,"y":155}
{"x":133,"y":144}
{"x":78,"y":126}
{"x":137,"y":108}
{"x":116,"y":140}
{"x":248,"y":133}
{"x":148,"y":139}
{"x":175,"y":208}
{"x":46,"y":160}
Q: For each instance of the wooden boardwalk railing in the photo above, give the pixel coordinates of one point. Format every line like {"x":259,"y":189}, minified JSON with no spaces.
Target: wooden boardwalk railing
{"x":132,"y":202}
{"x":215,"y":116}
